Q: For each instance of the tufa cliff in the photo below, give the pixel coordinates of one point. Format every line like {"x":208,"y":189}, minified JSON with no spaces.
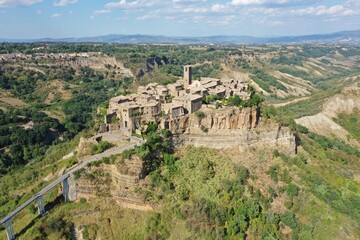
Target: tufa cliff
{"x":228,"y":128}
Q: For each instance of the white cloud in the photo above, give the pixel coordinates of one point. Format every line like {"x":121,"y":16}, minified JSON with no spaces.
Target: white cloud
{"x":193,"y":10}
{"x":56,"y":15}
{"x":103,"y":11}
{"x":121,"y":3}
{"x":257,"y":2}
{"x":229,"y":12}
{"x":133,"y":4}
{"x":338,"y":10}
{"x":276,"y":23}
{"x":353,"y":3}
{"x":13,"y":3}
{"x":150,"y":15}
{"x":63,"y":3}
{"x":221,"y":21}
{"x":98,"y":12}
{"x":219,"y":7}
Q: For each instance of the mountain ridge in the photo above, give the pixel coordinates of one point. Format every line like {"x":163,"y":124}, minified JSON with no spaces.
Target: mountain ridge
{"x":342,"y":37}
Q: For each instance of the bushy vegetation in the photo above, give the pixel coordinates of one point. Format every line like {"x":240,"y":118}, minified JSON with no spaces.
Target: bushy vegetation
{"x":214,"y":199}
{"x":285,"y":60}
{"x":155,"y":149}
{"x":351,"y":123}
{"x":307,"y":107}
{"x":255,"y":100}
{"x":265,"y":81}
{"x":101,"y":147}
{"x":23,"y":144}
{"x":294,"y":72}
{"x":54,"y":228}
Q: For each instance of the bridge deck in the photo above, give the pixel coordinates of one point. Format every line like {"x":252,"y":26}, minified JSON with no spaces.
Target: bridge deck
{"x":108,"y":153}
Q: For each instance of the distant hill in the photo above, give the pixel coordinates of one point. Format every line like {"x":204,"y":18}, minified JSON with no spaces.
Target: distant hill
{"x":344,"y":37}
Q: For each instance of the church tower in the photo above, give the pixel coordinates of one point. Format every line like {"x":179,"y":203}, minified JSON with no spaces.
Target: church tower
{"x":187,"y":76}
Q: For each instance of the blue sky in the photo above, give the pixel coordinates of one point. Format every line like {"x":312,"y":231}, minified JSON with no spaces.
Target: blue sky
{"x":79,"y":18}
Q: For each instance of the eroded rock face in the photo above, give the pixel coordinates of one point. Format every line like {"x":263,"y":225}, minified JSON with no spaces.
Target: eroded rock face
{"x":323,"y":123}
{"x":230,"y":127}
{"x":230,"y":118}
{"x":116,"y":181}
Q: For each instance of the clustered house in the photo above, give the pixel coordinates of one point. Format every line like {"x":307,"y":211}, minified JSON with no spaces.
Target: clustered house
{"x":155,"y":101}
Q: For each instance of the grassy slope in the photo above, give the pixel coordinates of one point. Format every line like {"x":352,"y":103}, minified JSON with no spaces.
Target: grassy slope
{"x":351,"y":123}
{"x":200,"y":174}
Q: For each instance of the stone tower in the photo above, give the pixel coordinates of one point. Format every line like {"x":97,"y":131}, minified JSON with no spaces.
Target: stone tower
{"x":187,"y":76}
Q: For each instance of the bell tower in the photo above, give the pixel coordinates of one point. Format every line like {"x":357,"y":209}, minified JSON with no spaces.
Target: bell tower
{"x":187,"y":76}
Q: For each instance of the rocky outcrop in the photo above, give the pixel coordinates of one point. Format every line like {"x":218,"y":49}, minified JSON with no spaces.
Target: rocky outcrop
{"x":220,"y":119}
{"x":230,"y":127}
{"x":269,"y":136}
{"x":151,"y":63}
{"x":323,"y":123}
{"x":118,"y":181}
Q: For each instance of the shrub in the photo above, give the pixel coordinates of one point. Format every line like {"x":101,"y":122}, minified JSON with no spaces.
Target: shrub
{"x":276,"y":153}
{"x":204,"y":129}
{"x":243,"y":174}
{"x":101,"y":147}
{"x":292,"y":190}
{"x":273,"y":172}
{"x":201,"y":115}
{"x":289,"y":219}
{"x":272,"y":192}
{"x":156,"y":228}
{"x":78,"y":173}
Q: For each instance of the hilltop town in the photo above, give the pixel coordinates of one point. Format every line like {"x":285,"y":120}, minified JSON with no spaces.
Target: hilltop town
{"x":155,"y":101}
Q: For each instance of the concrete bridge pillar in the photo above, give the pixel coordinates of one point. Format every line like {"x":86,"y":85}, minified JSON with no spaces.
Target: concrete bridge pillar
{"x":9,"y":230}
{"x":40,"y":205}
{"x":65,"y":189}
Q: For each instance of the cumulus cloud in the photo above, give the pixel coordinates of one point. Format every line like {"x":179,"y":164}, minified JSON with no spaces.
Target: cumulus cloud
{"x":257,"y":2}
{"x":99,"y":12}
{"x":323,"y":10}
{"x":221,"y":21}
{"x":150,"y":15}
{"x":121,"y":3}
{"x":229,"y":12}
{"x":219,"y":7}
{"x":133,"y":4}
{"x":276,"y":23}
{"x":63,"y":3}
{"x":103,"y":11}
{"x":56,"y":15}
{"x":13,"y":3}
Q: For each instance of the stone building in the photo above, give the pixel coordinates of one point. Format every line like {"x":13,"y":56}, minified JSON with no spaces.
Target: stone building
{"x":191,"y":103}
{"x":174,"y":110}
{"x":175,"y":88}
